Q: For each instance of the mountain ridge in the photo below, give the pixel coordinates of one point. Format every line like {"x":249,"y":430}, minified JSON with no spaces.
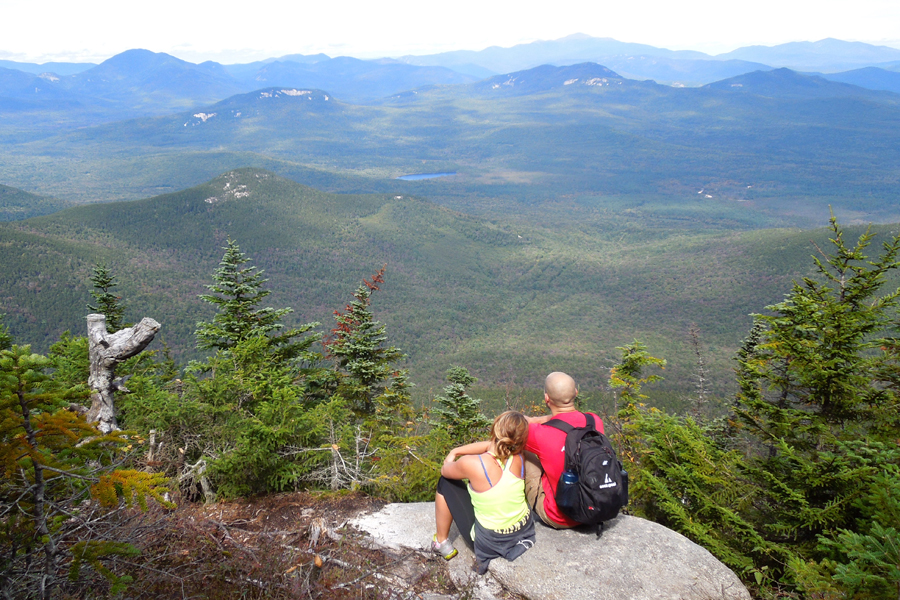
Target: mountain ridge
{"x":826,"y":54}
{"x":786,"y":83}
{"x":16,"y":204}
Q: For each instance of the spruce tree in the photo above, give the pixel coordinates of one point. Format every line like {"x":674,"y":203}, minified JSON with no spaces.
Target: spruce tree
{"x":818,"y":404}
{"x":237,"y":292}
{"x":54,"y":460}
{"x":108,"y":303}
{"x":247,"y":409}
{"x":358,"y":342}
{"x":627,"y":378}
{"x":459,"y":413}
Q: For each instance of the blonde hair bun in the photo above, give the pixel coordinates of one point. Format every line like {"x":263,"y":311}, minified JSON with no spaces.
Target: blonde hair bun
{"x":509,"y":433}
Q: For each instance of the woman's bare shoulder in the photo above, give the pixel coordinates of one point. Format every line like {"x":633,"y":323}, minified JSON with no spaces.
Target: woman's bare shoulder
{"x":465,"y":467}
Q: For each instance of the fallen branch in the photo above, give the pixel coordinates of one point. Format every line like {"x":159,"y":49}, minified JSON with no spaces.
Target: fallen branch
{"x":374,"y":572}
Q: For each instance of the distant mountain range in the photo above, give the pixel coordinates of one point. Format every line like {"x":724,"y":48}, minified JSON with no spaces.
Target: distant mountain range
{"x":825,"y":55}
{"x":768,"y":148}
{"x":641,"y":61}
{"x":144,"y":123}
{"x":57,"y":68}
{"x":140,"y":83}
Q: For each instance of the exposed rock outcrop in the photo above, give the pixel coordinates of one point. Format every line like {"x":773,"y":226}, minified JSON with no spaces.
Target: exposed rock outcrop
{"x":635,"y":559}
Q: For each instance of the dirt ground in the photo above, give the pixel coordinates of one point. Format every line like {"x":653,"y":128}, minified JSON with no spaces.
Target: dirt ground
{"x":293,"y":545}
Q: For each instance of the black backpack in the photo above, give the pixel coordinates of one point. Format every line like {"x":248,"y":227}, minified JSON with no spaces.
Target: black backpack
{"x":601,"y":486}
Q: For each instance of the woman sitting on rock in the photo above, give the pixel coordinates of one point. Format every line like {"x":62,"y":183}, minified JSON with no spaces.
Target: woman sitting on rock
{"x":492,"y":509}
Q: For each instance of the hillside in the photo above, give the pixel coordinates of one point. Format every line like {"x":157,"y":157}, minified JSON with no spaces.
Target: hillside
{"x":787,"y":84}
{"x":16,"y":204}
{"x":508,"y":300}
{"x":872,"y":78}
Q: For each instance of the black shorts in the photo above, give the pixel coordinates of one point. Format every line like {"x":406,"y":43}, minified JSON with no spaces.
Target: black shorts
{"x":489,"y":544}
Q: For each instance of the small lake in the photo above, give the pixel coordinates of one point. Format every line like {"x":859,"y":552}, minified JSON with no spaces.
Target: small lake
{"x":419,"y":176}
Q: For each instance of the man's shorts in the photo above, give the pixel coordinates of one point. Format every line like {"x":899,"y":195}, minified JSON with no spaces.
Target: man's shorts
{"x":534,"y":490}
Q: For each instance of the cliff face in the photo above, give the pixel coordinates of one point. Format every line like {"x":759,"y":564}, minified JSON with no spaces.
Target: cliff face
{"x":635,"y":559}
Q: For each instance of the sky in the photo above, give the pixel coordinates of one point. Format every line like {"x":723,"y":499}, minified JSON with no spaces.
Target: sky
{"x":229,"y":32}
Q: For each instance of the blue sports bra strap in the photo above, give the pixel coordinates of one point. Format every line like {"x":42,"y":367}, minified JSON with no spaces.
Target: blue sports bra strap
{"x":522,"y":458}
{"x":485,"y":471}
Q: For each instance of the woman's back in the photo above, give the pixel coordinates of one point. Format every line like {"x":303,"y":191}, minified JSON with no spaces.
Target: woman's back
{"x":503,"y":504}
{"x":480,"y":481}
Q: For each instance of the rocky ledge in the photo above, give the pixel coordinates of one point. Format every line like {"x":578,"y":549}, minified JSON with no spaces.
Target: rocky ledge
{"x":635,"y":559}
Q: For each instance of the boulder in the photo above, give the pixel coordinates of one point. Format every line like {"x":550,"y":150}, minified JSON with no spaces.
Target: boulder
{"x":635,"y":559}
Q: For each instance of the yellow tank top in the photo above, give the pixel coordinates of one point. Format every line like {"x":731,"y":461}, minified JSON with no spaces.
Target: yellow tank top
{"x":504,"y":504}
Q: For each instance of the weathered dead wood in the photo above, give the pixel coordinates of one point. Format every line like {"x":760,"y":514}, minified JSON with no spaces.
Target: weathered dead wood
{"x":106,"y":351}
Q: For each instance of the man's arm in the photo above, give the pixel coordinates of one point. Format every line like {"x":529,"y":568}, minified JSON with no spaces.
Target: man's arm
{"x":473,"y":448}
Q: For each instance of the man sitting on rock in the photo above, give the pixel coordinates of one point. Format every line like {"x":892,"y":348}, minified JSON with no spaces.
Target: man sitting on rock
{"x":545,"y":449}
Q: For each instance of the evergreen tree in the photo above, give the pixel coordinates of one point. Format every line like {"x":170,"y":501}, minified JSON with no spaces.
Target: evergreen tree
{"x":799,"y":487}
{"x":71,"y":361}
{"x":459,"y":413}
{"x":358,"y":342}
{"x":237,"y":292}
{"x":248,"y":409}
{"x":818,"y":404}
{"x":682,"y":478}
{"x":53,"y":460}
{"x":394,"y":412}
{"x":863,"y":562}
{"x":108,"y":303}
{"x":627,"y":379}
{"x":250,"y":419}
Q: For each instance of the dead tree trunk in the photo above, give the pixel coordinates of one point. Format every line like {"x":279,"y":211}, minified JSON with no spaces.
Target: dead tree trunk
{"x":106,"y":351}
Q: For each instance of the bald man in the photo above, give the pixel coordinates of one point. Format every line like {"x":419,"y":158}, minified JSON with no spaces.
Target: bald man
{"x":545,"y":449}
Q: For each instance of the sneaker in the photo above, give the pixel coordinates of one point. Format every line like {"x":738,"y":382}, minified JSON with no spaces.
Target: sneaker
{"x":443,"y":549}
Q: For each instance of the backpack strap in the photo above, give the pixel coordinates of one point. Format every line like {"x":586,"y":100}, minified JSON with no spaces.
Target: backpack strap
{"x":589,"y":423}
{"x":560,"y":424}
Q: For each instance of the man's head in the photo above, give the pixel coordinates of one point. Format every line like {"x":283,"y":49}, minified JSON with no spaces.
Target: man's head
{"x":560,"y":391}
